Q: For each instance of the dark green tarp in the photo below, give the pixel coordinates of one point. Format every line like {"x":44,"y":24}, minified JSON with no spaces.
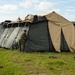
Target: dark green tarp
{"x":38,"y":39}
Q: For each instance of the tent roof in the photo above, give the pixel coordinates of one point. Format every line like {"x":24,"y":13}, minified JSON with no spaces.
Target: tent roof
{"x":57,"y":19}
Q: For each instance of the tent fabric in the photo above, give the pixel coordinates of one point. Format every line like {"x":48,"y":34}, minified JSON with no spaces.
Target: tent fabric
{"x":21,"y":31}
{"x":34,"y":18}
{"x":29,"y":18}
{"x":9,"y":34}
{"x":73,"y":43}
{"x":4,"y":43}
{"x":3,"y":36}
{"x":55,"y":35}
{"x":12,"y":37}
{"x":1,"y":30}
{"x":55,"y":24}
{"x":37,"y":39}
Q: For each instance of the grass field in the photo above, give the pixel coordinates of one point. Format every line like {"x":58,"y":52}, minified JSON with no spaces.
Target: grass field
{"x":36,"y":63}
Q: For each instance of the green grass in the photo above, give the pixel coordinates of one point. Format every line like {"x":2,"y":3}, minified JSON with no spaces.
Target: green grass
{"x":36,"y":63}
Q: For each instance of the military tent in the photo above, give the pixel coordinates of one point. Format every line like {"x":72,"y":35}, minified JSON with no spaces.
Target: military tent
{"x":50,"y":32}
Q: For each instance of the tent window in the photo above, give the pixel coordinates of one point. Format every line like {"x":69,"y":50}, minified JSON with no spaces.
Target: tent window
{"x":64,"y":47}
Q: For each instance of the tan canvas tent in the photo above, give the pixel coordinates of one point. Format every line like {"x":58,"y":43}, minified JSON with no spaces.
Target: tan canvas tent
{"x":56,"y":23}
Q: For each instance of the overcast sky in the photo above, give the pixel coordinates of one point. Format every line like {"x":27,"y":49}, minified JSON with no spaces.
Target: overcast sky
{"x":12,"y":9}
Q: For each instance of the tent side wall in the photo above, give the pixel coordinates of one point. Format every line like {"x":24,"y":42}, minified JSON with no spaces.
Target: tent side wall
{"x":12,"y":37}
{"x":1,"y":30}
{"x":4,"y":43}
{"x":37,"y":39}
{"x":3,"y":36}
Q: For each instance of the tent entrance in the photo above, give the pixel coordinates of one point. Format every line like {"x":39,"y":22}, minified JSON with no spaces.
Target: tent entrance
{"x":63,"y":47}
{"x":51,"y":47}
